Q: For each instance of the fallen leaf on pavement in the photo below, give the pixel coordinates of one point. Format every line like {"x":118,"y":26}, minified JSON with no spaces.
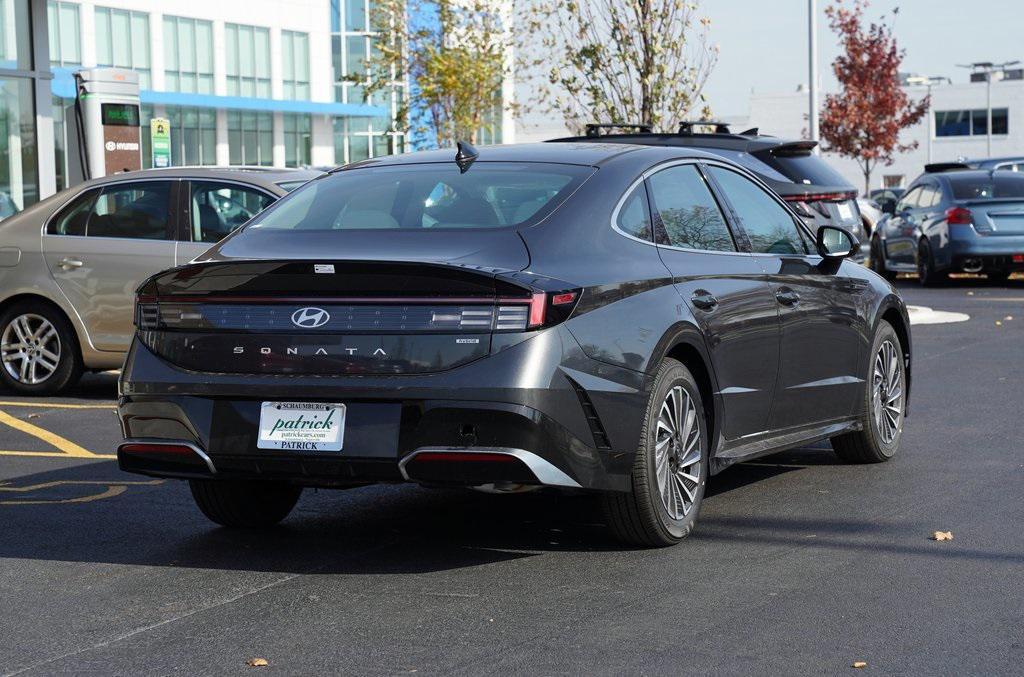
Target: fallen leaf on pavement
{"x":1008,"y":318}
{"x":942,"y":536}
{"x":998,"y":323}
{"x":257,"y":663}
{"x":860,"y":664}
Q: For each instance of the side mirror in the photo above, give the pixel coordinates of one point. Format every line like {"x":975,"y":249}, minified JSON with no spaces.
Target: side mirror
{"x":836,"y":243}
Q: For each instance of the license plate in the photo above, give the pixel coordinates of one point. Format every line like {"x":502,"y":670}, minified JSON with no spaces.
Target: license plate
{"x":845,"y":211}
{"x":302,"y":426}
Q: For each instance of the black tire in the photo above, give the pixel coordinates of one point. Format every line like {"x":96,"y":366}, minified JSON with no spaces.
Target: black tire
{"x":926,"y":273}
{"x":878,"y":260}
{"x":868,"y":444}
{"x":69,"y":363}
{"x":245,"y":505}
{"x":640,"y":516}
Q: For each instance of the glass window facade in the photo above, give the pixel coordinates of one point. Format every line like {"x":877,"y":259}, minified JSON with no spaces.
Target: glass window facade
{"x":247,"y":60}
{"x":188,"y":55}
{"x":19,"y":174}
{"x":352,"y":43}
{"x":193,"y":136}
{"x":298,"y":140}
{"x":65,"y":32}
{"x":250,"y":138}
{"x":122,"y":41}
{"x":15,"y":47}
{"x":295,"y":65}
{"x":971,"y":122}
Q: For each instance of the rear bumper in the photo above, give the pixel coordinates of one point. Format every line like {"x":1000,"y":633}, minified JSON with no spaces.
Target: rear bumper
{"x":996,"y":252}
{"x":524,"y":402}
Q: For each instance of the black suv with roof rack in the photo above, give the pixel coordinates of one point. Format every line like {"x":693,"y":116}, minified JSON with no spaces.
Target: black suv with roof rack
{"x":818,"y":193}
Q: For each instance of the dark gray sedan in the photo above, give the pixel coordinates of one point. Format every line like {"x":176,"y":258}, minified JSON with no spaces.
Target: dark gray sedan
{"x":70,"y":264}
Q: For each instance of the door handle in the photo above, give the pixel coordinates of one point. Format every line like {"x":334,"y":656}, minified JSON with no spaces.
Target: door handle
{"x":704,"y":300}
{"x":67,"y":263}
{"x":787,"y":296}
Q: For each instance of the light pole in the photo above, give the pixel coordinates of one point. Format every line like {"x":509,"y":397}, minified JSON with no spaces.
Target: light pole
{"x":928,"y":82}
{"x":812,"y":67}
{"x":989,"y":69}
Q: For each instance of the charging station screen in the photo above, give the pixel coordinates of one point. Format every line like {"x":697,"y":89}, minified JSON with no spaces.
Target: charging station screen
{"x":120,"y":114}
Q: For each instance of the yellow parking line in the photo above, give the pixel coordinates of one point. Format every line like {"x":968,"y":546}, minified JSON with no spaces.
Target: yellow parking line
{"x":57,"y":405}
{"x":60,"y":483}
{"x":67,"y":446}
{"x":54,"y":454}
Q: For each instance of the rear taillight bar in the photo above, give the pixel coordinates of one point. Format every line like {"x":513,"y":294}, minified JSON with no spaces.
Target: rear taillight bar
{"x":822,"y":197}
{"x":357,"y":314}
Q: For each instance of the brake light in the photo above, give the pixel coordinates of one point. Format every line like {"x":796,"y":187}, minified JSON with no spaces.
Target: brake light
{"x":538,"y":309}
{"x":958,"y":215}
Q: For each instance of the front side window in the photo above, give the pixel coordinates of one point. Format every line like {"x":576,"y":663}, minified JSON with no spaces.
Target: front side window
{"x":219,"y":208}
{"x":435,"y":196}
{"x":770,"y":227}
{"x":686,"y":213}
{"x":634,"y":218}
{"x":128,"y":210}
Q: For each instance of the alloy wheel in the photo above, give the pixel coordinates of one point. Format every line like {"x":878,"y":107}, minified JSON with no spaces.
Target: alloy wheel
{"x":887,"y":401}
{"x":677,"y":453}
{"x":30,"y":349}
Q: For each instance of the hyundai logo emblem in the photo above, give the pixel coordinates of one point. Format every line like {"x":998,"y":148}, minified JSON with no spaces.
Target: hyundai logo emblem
{"x":310,"y":318}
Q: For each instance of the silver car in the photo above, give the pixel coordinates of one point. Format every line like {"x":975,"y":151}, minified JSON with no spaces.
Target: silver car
{"x":70,"y":264}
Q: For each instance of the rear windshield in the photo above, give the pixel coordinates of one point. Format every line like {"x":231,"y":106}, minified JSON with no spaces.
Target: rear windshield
{"x":994,"y":186}
{"x":487,"y":195}
{"x":809,"y":170}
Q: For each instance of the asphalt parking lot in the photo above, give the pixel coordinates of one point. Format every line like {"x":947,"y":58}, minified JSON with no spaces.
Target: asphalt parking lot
{"x":799,"y":565}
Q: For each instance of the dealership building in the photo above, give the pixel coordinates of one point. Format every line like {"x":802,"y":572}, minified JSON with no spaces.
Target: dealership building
{"x":254,"y":82}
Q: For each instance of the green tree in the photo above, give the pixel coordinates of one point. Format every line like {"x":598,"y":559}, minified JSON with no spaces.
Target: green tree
{"x":455,"y":55}
{"x":620,"y":61}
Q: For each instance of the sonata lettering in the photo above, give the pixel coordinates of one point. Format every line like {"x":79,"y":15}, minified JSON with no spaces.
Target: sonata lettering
{"x":319,"y":350}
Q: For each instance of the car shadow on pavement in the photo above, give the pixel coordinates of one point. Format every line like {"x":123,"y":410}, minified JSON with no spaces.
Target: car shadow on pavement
{"x":94,"y":513}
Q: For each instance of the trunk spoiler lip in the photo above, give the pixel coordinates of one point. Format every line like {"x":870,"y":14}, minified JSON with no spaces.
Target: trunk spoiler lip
{"x":347,"y":300}
{"x":528,"y":281}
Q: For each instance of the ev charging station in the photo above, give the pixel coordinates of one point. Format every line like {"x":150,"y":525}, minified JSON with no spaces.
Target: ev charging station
{"x":104,"y":124}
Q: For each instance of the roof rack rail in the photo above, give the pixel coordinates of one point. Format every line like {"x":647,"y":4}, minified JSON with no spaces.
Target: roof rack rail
{"x":939,"y":167}
{"x":595,"y":129}
{"x":686,"y":127}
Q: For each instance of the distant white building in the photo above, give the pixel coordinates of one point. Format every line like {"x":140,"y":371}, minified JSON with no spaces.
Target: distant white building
{"x":955,"y":128}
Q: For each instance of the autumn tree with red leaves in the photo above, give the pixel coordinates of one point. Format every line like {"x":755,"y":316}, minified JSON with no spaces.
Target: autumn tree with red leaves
{"x":864,"y":120}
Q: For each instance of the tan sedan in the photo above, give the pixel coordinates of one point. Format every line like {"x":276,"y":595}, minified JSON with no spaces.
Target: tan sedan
{"x":70,"y":264}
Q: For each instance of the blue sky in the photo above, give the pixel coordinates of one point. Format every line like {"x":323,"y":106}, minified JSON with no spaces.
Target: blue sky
{"x":764,"y":42}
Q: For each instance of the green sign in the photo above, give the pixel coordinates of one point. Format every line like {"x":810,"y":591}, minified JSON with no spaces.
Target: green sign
{"x":160,"y":138}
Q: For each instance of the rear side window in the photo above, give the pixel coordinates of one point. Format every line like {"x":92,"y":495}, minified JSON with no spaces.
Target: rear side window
{"x":770,"y":227}
{"x":74,"y":217}
{"x":991,"y":187}
{"x":634,"y":218}
{"x":930,"y":196}
{"x":686,"y":213}
{"x":130,"y":210}
{"x":435,"y":196}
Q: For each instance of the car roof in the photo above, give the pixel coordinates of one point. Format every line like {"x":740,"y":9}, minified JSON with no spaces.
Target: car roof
{"x":266,"y":177}
{"x":588,"y":154}
{"x":750,"y":142}
{"x":985,"y":162}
